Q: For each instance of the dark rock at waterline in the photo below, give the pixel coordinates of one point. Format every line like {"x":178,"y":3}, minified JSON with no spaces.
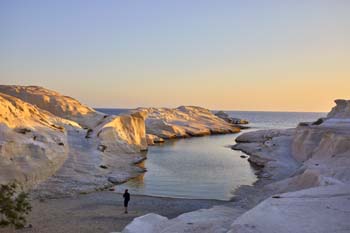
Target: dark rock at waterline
{"x":318,"y":122}
{"x":243,"y":156}
{"x":223,"y":115}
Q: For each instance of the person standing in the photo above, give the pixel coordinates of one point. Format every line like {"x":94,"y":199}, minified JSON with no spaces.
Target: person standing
{"x":126,"y":197}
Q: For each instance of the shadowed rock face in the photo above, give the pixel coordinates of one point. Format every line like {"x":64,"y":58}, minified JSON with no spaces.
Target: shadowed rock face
{"x":341,"y":110}
{"x":184,"y":121}
{"x":55,"y":103}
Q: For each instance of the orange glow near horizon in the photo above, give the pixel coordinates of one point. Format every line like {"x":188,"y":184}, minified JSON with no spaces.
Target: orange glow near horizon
{"x":230,"y":55}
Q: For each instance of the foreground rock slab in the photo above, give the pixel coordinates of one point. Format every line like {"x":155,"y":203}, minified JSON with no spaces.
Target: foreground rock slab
{"x":316,"y":210}
{"x":214,"y":220}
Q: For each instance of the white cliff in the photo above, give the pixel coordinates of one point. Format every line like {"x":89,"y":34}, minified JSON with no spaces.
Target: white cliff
{"x":33,"y":143}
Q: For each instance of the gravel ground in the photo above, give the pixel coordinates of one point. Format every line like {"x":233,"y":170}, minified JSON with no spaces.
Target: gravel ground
{"x":101,"y":212}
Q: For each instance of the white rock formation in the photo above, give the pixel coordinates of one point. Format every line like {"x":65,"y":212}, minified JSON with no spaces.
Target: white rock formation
{"x":147,"y":223}
{"x":306,"y":172}
{"x":125,"y":133}
{"x":316,"y":210}
{"x":33,"y":143}
{"x":184,"y":121}
{"x":55,"y":103}
{"x":215,"y":220}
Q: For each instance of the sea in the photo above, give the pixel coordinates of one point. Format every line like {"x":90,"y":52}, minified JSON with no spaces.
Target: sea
{"x":205,"y":167}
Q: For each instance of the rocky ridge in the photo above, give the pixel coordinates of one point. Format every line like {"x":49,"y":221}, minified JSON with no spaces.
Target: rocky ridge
{"x":184,"y":121}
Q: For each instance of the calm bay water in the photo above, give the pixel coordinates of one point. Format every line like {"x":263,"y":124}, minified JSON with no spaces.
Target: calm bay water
{"x":204,"y":167}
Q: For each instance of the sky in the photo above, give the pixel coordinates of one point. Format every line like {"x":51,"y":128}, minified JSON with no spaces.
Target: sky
{"x":231,"y":55}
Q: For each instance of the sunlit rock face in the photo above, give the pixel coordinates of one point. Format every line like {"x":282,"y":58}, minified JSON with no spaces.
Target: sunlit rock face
{"x":125,"y":133}
{"x":55,"y":103}
{"x":184,"y":121}
{"x":33,"y":142}
{"x":153,"y":139}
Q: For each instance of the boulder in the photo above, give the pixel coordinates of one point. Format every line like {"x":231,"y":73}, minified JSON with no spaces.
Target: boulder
{"x":145,"y":224}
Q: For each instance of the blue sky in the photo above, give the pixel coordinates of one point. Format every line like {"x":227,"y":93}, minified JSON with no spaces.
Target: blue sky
{"x":248,"y":55}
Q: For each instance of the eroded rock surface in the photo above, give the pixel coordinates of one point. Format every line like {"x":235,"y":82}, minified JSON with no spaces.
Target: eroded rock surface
{"x":55,"y":103}
{"x":33,"y":143}
{"x":40,"y":147}
{"x":184,"y":121}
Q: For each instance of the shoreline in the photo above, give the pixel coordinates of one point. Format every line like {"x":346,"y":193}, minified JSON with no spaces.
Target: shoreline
{"x":102,"y":212}
{"x":55,"y":215}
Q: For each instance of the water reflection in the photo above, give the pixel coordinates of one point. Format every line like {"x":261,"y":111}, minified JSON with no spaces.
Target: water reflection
{"x":201,"y":168}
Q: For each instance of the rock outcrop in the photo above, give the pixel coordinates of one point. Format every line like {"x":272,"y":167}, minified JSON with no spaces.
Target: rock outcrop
{"x":33,"y":143}
{"x":125,"y":133}
{"x":341,"y":110}
{"x":55,"y":103}
{"x":153,"y":139}
{"x":184,"y":121}
{"x":316,"y":210}
{"x":223,"y":115}
{"x":306,"y":174}
{"x":62,"y":147}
